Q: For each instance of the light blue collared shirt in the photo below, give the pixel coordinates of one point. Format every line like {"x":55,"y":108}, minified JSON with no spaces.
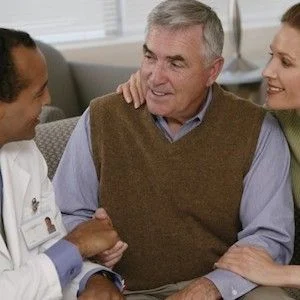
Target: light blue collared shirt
{"x":266,"y":210}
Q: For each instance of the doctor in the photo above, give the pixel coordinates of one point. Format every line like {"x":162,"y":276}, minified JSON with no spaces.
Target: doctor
{"x":35,"y":262}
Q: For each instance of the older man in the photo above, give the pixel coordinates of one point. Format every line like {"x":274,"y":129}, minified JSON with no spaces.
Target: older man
{"x":189,"y":174}
{"x":35,"y":262}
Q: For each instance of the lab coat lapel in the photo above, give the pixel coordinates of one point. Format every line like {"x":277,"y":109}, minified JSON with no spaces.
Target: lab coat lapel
{"x":15,"y":183}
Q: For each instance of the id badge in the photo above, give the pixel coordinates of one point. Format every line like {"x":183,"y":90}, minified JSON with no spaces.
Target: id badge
{"x":39,"y":229}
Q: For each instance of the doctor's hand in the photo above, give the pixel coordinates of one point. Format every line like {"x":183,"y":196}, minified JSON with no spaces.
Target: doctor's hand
{"x":132,"y":90}
{"x":93,"y":237}
{"x":100,"y":288}
{"x":111,"y":256}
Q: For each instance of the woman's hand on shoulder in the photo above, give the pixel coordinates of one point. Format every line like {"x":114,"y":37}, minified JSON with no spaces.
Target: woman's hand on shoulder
{"x":132,"y":90}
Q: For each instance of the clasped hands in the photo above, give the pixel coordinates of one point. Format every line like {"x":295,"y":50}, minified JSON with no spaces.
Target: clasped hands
{"x":112,"y":255}
{"x":97,"y":240}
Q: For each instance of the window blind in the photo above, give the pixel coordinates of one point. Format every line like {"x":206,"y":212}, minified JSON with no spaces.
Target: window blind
{"x":59,"y":21}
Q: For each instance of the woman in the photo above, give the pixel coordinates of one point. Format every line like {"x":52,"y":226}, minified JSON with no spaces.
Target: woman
{"x":282,"y":75}
{"x":283,"y":97}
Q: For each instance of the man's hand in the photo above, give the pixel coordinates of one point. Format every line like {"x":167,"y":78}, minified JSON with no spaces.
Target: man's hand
{"x":93,"y":237}
{"x":132,"y":90}
{"x":111,"y":256}
{"x":200,"y":289}
{"x":101,"y":288}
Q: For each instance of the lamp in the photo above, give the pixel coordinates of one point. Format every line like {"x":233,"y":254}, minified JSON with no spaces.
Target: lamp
{"x":238,"y":70}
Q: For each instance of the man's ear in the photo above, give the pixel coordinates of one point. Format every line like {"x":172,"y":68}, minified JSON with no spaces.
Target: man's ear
{"x":215,"y":69}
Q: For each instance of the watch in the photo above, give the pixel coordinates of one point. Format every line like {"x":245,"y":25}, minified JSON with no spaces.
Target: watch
{"x":107,"y":275}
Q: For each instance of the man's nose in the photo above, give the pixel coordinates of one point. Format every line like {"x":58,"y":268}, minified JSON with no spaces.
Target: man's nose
{"x":158,"y":75}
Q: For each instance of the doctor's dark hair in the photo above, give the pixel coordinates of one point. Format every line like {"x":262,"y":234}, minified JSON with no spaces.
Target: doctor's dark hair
{"x":178,"y":14}
{"x":11,"y":83}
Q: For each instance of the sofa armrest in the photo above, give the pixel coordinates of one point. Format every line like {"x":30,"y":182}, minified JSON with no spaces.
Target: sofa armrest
{"x":51,"y":138}
{"x":93,"y":80}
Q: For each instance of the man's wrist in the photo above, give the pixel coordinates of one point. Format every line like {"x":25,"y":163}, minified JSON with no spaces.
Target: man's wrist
{"x":204,"y":284}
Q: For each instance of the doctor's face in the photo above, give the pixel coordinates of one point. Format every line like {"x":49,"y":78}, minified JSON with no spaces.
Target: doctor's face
{"x":19,"y":118}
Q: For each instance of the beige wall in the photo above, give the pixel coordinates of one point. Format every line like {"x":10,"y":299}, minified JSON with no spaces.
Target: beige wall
{"x":120,"y":54}
{"x":255,"y":47}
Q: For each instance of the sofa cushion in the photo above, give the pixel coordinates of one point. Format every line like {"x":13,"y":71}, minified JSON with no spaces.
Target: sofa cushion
{"x":51,"y":138}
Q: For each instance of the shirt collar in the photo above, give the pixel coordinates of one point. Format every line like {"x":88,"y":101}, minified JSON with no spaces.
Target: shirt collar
{"x":200,"y":115}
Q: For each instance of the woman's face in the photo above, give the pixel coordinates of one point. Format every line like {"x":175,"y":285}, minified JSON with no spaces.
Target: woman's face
{"x":282,"y":73}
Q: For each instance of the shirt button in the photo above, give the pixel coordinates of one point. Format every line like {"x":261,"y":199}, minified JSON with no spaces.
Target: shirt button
{"x":234,"y":292}
{"x":72,"y":271}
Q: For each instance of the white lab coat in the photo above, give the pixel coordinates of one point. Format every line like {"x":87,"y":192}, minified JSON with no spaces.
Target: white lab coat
{"x":28,"y":274}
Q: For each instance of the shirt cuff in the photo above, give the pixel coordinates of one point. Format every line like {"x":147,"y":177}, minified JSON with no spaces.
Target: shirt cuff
{"x":117,"y":279}
{"x":67,"y":260}
{"x":230,"y":285}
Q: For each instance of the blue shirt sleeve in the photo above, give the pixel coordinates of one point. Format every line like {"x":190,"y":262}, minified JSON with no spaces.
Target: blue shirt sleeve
{"x":76,"y":180}
{"x":67,"y":260}
{"x":267,"y":191}
{"x":75,"y":183}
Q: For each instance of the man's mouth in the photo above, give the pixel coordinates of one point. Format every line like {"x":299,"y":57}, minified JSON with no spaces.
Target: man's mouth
{"x":158,"y":93}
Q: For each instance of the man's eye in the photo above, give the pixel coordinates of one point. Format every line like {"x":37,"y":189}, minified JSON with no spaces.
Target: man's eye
{"x":148,"y":55}
{"x":176,"y":64}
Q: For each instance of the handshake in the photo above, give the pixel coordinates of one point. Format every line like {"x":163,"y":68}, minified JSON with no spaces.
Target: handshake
{"x":97,"y":240}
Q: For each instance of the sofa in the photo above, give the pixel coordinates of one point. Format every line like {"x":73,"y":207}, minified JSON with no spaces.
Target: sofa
{"x":72,"y":85}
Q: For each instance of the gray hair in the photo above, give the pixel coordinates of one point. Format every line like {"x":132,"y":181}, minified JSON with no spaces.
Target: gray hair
{"x":178,"y":14}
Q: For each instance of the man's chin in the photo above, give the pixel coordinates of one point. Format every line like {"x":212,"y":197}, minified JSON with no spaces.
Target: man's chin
{"x":157,"y":110}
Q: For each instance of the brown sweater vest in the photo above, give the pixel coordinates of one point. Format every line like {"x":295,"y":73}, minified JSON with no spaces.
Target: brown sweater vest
{"x":175,"y":204}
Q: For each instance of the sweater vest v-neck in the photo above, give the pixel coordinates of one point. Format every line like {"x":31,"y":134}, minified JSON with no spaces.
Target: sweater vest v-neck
{"x":175,"y":204}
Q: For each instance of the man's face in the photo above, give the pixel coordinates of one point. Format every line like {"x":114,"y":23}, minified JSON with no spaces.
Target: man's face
{"x":19,"y":118}
{"x":175,"y":74}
